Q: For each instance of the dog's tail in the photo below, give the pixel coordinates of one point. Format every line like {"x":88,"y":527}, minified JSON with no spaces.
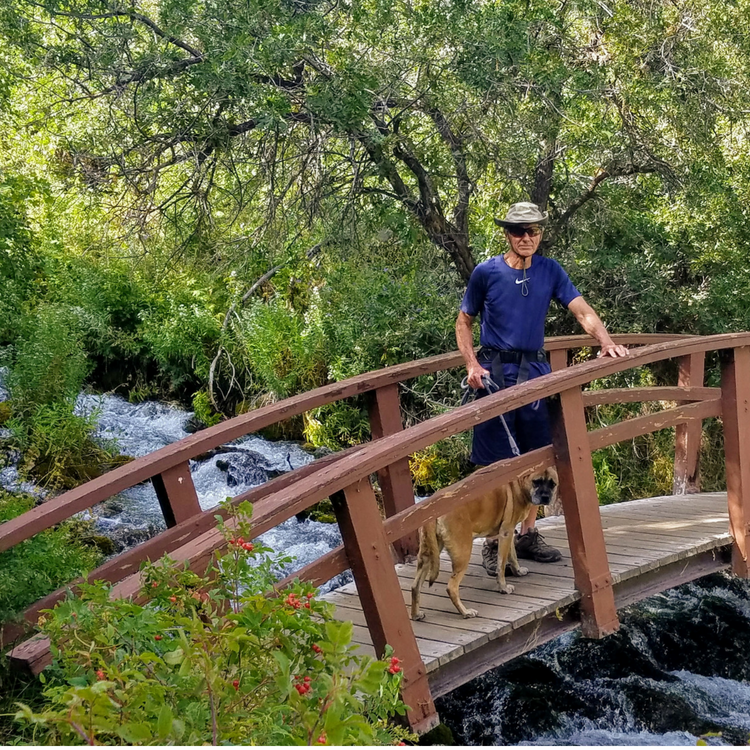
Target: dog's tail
{"x":429,"y":551}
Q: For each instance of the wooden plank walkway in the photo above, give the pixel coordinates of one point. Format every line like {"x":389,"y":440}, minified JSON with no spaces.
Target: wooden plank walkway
{"x":642,"y":536}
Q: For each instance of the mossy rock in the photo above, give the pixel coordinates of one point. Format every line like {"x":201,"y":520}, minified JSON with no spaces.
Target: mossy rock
{"x":322,"y":511}
{"x":103,"y":543}
{"x":6,"y":412}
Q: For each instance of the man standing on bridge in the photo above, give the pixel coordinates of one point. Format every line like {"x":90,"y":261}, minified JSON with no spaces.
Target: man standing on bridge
{"x":512,"y":293}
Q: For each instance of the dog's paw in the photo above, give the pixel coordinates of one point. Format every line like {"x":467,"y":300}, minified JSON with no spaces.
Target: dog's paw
{"x":470,"y":613}
{"x":522,"y":571}
{"x":508,"y":588}
{"x":419,"y":616}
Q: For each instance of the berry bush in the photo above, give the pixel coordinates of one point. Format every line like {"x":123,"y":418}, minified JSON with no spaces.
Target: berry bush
{"x":212,"y":659}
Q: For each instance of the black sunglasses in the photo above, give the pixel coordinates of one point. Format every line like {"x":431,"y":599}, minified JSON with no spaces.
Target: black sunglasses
{"x":517,"y":231}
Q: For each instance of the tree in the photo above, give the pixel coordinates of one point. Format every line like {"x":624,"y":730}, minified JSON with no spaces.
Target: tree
{"x":206,"y":111}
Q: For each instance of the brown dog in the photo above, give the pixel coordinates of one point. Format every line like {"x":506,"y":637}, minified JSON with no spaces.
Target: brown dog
{"x":497,"y":512}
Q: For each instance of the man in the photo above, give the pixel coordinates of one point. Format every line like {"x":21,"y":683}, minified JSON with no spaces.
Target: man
{"x":512,"y":292}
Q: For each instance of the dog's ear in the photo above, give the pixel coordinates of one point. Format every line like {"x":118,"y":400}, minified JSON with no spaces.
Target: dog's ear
{"x":552,"y":474}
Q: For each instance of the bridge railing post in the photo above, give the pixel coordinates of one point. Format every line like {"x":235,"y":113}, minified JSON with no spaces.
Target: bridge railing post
{"x":558,"y":359}
{"x":582,"y":517}
{"x":176,"y":493}
{"x":688,"y":435}
{"x":735,"y":405}
{"x":380,"y":594}
{"x":394,"y":479}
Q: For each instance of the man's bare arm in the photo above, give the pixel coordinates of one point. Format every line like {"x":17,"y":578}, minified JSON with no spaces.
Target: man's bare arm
{"x":592,"y":324}
{"x":465,"y":341}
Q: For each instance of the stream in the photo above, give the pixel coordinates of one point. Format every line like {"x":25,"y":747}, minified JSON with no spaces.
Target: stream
{"x":676,"y":672}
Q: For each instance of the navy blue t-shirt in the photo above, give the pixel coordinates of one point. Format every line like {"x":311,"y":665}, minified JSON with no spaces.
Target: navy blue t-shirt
{"x":510,"y":320}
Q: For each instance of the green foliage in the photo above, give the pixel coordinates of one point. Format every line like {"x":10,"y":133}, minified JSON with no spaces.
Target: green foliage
{"x":284,"y":354}
{"x":211,"y":660}
{"x":204,"y":410}
{"x":20,"y":262}
{"x":40,"y":565}
{"x":48,"y":363}
{"x":441,"y":464}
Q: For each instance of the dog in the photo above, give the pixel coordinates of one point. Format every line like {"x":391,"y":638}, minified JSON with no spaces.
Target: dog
{"x":495,"y":513}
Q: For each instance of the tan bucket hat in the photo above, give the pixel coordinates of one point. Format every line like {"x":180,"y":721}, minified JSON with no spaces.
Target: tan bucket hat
{"x":523,"y":213}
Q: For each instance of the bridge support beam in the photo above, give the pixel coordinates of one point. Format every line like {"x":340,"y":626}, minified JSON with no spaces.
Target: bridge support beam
{"x":735,"y":403}
{"x":379,"y":592}
{"x":394,"y":479}
{"x":582,"y":517}
{"x":176,"y":493}
{"x":688,"y":435}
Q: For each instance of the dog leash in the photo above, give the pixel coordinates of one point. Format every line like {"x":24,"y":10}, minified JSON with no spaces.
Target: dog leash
{"x":491,"y":387}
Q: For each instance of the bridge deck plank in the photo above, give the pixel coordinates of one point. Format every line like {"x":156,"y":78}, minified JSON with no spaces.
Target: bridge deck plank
{"x":641,"y":536}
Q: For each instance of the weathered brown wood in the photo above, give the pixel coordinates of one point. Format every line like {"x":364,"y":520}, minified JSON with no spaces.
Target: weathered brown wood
{"x":631,"y":428}
{"x":128,"y":563}
{"x":394,"y":479}
{"x":499,"y":616}
{"x":321,"y":570}
{"x":501,"y":650}
{"x":377,"y":584}
{"x":334,"y":563}
{"x":176,"y":494}
{"x":141,"y":469}
{"x":735,"y":389}
{"x":558,"y":359}
{"x":688,"y":435}
{"x":377,"y":453}
{"x":655,"y":393}
{"x":583,"y":523}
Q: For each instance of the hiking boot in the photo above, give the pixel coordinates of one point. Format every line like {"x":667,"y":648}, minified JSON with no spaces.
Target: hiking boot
{"x":531,"y":546}
{"x":489,"y":557}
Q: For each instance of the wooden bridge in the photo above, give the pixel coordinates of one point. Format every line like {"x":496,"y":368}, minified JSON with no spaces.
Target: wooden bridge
{"x":612,"y":556}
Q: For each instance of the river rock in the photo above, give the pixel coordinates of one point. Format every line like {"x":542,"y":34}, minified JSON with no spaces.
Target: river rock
{"x":245,"y":468}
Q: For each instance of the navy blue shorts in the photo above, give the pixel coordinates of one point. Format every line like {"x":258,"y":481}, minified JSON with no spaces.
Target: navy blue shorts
{"x":528,"y":425}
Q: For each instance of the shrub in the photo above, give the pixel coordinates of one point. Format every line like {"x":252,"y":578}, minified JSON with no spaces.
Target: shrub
{"x":40,"y":565}
{"x":48,"y":364}
{"x":212,"y":660}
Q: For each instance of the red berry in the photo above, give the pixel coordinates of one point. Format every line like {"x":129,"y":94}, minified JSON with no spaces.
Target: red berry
{"x":100,"y":675}
{"x":307,"y":678}
{"x":157,"y":637}
{"x":154,"y":584}
{"x":236,"y":684}
{"x":173,"y":599}
{"x":307,"y":605}
{"x":310,"y":595}
{"x":317,"y":649}
{"x":322,"y":739}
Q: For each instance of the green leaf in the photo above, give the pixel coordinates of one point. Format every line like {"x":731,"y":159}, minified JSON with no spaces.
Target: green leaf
{"x":164,"y":722}
{"x":178,"y":728}
{"x":174,"y":657}
{"x":134,"y":734}
{"x":339,"y":633}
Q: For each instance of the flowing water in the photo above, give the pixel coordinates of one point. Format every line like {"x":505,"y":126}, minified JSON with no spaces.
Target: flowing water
{"x":677,"y":671}
{"x":134,"y":515}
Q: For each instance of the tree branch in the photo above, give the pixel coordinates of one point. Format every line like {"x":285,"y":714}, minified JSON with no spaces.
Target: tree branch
{"x":463,"y":183}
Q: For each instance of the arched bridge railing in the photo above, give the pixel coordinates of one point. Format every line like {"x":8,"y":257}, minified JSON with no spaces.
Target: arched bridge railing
{"x":367,"y":538}
{"x":168,"y":468}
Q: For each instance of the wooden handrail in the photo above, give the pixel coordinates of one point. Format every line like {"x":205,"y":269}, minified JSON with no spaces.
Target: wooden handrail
{"x":366,"y":538}
{"x":179,"y":453}
{"x":381,"y":452}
